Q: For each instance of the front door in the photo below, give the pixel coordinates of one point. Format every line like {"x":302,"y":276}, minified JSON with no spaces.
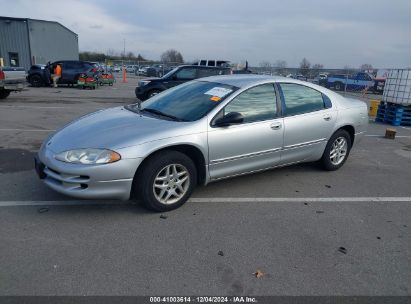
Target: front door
{"x":252,"y":145}
{"x":183,"y":75}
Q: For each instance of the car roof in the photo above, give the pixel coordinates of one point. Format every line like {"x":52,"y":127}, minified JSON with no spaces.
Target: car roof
{"x":245,"y":80}
{"x":203,"y":67}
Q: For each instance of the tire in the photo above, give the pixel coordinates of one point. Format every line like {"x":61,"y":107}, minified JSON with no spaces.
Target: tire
{"x":339,"y":86}
{"x":341,"y":142}
{"x":4,"y":94}
{"x":152,"y":93}
{"x":154,"y":186}
{"x":36,"y":81}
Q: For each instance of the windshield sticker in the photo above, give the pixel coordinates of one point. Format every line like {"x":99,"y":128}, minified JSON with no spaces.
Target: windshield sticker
{"x":218,"y":91}
{"x":215,"y":98}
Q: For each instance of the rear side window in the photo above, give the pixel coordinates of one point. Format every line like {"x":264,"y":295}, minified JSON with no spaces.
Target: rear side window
{"x":364,"y":76}
{"x":300,"y":99}
{"x":186,"y":74}
{"x":206,"y":73}
{"x":225,"y":72}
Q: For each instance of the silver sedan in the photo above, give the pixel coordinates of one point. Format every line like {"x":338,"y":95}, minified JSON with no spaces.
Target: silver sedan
{"x":199,"y":132}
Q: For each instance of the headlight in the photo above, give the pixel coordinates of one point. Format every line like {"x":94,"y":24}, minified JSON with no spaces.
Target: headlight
{"x":143,"y":83}
{"x":88,"y":156}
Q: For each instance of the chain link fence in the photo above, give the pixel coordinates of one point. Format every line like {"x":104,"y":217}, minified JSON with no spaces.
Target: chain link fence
{"x":140,"y":68}
{"x":365,"y":84}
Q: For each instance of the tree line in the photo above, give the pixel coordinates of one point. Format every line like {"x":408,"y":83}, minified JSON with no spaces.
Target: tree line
{"x":170,"y":55}
{"x":307,"y":70}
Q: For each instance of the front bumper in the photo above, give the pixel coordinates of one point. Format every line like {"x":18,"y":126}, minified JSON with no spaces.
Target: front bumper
{"x":104,"y":181}
{"x":141,"y":93}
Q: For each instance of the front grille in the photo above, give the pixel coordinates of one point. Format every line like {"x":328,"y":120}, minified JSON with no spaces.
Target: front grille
{"x":66,"y":180}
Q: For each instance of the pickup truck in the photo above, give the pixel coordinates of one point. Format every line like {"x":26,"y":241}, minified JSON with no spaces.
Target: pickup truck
{"x":341,"y":82}
{"x":11,"y":79}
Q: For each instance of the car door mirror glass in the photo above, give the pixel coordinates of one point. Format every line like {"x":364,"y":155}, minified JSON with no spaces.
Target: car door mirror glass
{"x":231,"y":118}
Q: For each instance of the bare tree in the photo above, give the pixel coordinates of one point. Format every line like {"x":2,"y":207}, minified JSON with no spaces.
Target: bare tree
{"x":141,"y":58}
{"x":315,"y":70}
{"x":111,"y":53}
{"x":348,"y":70}
{"x":305,"y":67}
{"x":265,"y":64}
{"x":172,"y":55}
{"x":281,"y":67}
{"x":366,"y":67}
{"x":130,"y":55}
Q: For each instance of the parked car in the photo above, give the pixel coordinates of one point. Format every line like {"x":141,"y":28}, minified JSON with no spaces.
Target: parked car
{"x":199,"y":132}
{"x":152,"y":86}
{"x":142,"y":71}
{"x":116,"y":69}
{"x":356,"y":82}
{"x":11,"y":79}
{"x":131,"y":68}
{"x":38,"y":75}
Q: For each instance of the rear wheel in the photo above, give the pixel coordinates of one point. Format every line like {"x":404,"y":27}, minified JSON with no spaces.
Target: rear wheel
{"x":166,"y":181}
{"x":339,"y":86}
{"x":337,"y":150}
{"x":36,"y":81}
{"x":4,"y":94}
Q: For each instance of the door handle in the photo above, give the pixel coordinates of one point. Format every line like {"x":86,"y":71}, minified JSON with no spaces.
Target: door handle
{"x":276,"y":126}
{"x":327,"y":117}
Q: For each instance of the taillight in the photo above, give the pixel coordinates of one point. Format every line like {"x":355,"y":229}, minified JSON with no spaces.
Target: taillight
{"x":94,"y":70}
{"x":2,"y":76}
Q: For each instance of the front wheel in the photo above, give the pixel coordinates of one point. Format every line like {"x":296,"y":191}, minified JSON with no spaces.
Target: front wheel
{"x":36,"y":81}
{"x":165,"y":181}
{"x":4,"y":94}
{"x":339,"y":86}
{"x":337,"y":150}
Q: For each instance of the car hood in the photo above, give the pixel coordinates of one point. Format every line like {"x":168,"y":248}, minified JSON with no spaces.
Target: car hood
{"x":151,"y":79}
{"x":112,"y":128}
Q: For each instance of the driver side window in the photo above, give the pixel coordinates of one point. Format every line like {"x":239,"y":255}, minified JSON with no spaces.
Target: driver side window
{"x":255,"y":104}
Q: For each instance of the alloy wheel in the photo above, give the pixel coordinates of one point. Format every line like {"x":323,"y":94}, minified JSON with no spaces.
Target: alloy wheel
{"x":338,"y":151}
{"x":171,"y":184}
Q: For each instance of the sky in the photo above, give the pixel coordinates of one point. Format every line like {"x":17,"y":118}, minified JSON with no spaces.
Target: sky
{"x":328,"y":32}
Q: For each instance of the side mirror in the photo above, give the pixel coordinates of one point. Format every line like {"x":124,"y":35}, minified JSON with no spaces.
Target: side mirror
{"x":231,"y":118}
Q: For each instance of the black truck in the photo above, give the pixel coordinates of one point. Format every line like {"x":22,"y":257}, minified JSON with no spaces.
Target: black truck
{"x":149,"y":87}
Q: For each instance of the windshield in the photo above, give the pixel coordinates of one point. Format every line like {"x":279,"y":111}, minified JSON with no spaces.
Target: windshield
{"x":187,"y":102}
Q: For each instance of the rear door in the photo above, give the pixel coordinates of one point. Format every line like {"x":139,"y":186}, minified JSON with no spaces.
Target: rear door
{"x":309,"y":119}
{"x":68,"y":71}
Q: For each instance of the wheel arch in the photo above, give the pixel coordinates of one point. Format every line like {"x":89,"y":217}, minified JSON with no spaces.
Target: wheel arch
{"x":193,"y":152}
{"x":351,"y":131}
